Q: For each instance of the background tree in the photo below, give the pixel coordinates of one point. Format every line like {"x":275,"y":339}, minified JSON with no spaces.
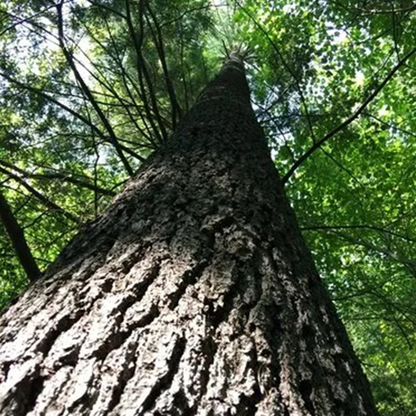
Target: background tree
{"x":89,"y":93}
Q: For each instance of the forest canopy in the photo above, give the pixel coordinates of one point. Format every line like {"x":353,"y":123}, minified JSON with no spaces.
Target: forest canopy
{"x":89,"y":89}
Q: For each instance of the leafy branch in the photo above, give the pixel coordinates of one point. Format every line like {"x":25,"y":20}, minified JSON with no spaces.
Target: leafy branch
{"x":350,"y":119}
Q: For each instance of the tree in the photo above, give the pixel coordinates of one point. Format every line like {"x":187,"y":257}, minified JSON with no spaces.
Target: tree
{"x":19,"y":242}
{"x":194,"y":293}
{"x":89,"y":89}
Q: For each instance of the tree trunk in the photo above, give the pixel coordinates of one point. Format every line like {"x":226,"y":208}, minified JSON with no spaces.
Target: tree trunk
{"x":18,"y":240}
{"x":193,"y":294}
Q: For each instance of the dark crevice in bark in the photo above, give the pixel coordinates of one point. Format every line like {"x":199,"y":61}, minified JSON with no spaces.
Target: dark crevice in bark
{"x":144,"y":321}
{"x":268,"y":359}
{"x":4,"y":370}
{"x":112,"y":343}
{"x":209,"y":349}
{"x":130,"y":261}
{"x":189,"y":278}
{"x":69,"y":358}
{"x":118,"y":338}
{"x":63,"y":325}
{"x":217,"y":314}
{"x":247,"y":406}
{"x":180,"y":406}
{"x":305,"y":390}
{"x":33,"y":393}
{"x":251,"y":405}
{"x":81,"y":404}
{"x":139,"y":289}
{"x":125,"y":375}
{"x":107,"y":285}
{"x":26,"y":394}
{"x":221,"y":224}
{"x":164,"y":382}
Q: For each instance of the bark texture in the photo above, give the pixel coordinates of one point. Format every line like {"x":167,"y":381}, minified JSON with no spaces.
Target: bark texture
{"x":193,"y":294}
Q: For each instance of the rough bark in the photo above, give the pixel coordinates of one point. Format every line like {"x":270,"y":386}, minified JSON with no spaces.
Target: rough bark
{"x":193,"y":294}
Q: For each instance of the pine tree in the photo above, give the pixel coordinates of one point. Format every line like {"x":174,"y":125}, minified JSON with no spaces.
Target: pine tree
{"x":192,"y":294}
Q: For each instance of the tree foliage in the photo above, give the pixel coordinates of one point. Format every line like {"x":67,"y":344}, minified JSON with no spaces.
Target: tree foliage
{"x":91,"y":88}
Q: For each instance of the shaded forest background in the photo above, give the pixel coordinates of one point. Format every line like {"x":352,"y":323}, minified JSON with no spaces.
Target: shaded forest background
{"x":91,"y":88}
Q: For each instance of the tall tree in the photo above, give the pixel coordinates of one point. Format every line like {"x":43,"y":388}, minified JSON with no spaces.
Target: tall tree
{"x":193,"y":293}
{"x":90,"y":89}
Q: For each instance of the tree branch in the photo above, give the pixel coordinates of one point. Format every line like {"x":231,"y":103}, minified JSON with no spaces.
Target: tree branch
{"x":59,"y":175}
{"x":142,"y":72}
{"x":411,"y":264}
{"x":124,"y":76}
{"x":42,"y":198}
{"x":285,"y":64}
{"x":158,"y":39}
{"x":349,"y":120}
{"x":70,"y":111}
{"x":87,"y":92}
{"x":359,"y":226}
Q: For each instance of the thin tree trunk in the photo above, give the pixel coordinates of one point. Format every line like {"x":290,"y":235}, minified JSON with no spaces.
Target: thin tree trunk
{"x":193,"y":294}
{"x":18,"y":240}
